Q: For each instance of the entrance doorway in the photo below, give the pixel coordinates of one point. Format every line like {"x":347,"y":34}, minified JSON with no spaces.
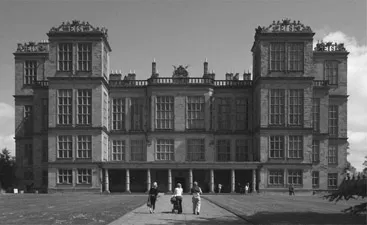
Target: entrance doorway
{"x":182,"y":181}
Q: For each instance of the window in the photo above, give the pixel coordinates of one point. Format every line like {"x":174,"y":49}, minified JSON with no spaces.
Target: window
{"x":333,"y":120}
{"x":223,"y":150}
{"x":84,"y":107}
{"x":332,"y":180}
{"x":331,"y":72}
{"x":277,"y":106}
{"x":195,"y":112}
{"x":241,"y":113}
{"x":295,"y":177}
{"x":137,"y":105}
{"x":212,"y":107}
{"x":277,"y":56}
{"x":165,"y":149}
{"x":242,"y":151}
{"x":165,"y":112}
{"x":28,"y":154}
{"x":316,"y":114}
{"x":84,"y":57}
{"x":315,"y":178}
{"x":30,"y":71}
{"x":276,"y":146}
{"x":118,"y":114}
{"x":65,"y":57}
{"x":44,"y":151}
{"x":224,"y":113}
{"x":64,"y":109}
{"x":315,"y":151}
{"x":276,"y":177}
{"x":137,"y":150}
{"x":332,"y":154}
{"x":28,"y":109}
{"x":118,"y":150}
{"x":296,"y":107}
{"x":295,"y":55}
{"x":44,"y":113}
{"x":195,"y":150}
{"x":65,"y":176}
{"x":295,"y":147}
{"x":84,"y":176}
{"x":84,"y":147}
{"x":65,"y":147}
{"x":105,"y":109}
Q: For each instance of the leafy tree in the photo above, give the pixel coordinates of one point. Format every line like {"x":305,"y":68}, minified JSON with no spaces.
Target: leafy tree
{"x":7,"y":170}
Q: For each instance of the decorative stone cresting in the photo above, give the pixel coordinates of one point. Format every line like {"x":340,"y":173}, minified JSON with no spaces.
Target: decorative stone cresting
{"x":329,"y":47}
{"x":33,"y":47}
{"x":180,"y":72}
{"x":78,"y":27}
{"x":285,"y":26}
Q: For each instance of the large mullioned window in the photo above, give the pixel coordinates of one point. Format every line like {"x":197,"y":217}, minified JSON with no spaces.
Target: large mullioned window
{"x":84,"y":107}
{"x":331,"y":72}
{"x":195,"y":112}
{"x":84,"y":147}
{"x":333,"y":120}
{"x":65,"y":176}
{"x":296,"y":107}
{"x":84,"y":176}
{"x":165,"y":149}
{"x":165,"y":112}
{"x":84,"y":57}
{"x":242,"y":150}
{"x":30,"y":71}
{"x":332,"y":154}
{"x":316,"y":114}
{"x":276,"y":177}
{"x":315,"y":151}
{"x":137,"y":109}
{"x":137,"y":150}
{"x":223,"y":150}
{"x":277,"y":107}
{"x":242,"y":113}
{"x":64,"y":107}
{"x":277,"y":56}
{"x":295,"y":177}
{"x":315,"y":179}
{"x":332,"y":180}
{"x":224,"y":113}
{"x":276,"y":147}
{"x":65,"y":57}
{"x":65,"y":147}
{"x":195,"y":150}
{"x":118,"y":114}
{"x":118,"y":150}
{"x":295,"y":147}
{"x":295,"y":56}
{"x":286,"y":56}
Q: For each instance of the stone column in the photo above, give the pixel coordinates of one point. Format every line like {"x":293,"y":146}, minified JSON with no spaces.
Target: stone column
{"x":254,"y":180}
{"x":190,"y":179}
{"x":211,"y":181}
{"x":106,"y":181}
{"x":169,"y":181}
{"x":128,"y":181}
{"x":101,"y":179}
{"x":148,"y":180}
{"x":233,"y":181}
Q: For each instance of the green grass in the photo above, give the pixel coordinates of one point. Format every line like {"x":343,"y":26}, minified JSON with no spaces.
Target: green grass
{"x":73,"y":208}
{"x":283,"y":209}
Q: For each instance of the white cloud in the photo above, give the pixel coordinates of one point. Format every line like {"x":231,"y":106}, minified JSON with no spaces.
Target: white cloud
{"x":6,"y":110}
{"x":8,"y":142}
{"x":357,"y":91}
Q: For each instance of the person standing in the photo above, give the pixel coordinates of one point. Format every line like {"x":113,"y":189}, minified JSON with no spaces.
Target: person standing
{"x":196,"y":200}
{"x":219,"y":188}
{"x":247,"y":187}
{"x":178,"y":195}
{"x":153,"y":193}
{"x":291,"y":189}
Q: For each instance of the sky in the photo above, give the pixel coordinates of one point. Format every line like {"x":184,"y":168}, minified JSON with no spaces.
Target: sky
{"x":176,"y":32}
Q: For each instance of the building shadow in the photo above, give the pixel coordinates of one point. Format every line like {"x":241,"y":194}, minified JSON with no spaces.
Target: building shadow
{"x":209,"y":221}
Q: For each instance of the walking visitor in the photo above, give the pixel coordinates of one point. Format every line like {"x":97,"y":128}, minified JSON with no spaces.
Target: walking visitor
{"x":152,"y":198}
{"x":178,"y":195}
{"x":196,"y":200}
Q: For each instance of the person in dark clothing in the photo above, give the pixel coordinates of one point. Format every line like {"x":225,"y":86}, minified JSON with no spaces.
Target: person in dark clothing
{"x":291,"y":189}
{"x":153,"y":193}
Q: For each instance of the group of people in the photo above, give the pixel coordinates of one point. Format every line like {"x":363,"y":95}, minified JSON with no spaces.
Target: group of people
{"x":241,"y":189}
{"x":196,"y":192}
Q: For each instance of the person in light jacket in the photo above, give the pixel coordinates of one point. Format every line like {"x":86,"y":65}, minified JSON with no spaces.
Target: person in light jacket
{"x":196,"y":200}
{"x":178,"y":195}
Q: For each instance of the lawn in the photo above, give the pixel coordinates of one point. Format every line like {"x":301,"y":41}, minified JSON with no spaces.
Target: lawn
{"x":71,"y":208}
{"x":283,"y":209}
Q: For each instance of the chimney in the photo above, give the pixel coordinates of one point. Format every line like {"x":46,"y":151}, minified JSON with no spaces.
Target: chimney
{"x":154,"y":68}
{"x":131,"y":76}
{"x":229,"y":76}
{"x":115,"y":76}
{"x":206,"y":67}
{"x":247,"y":76}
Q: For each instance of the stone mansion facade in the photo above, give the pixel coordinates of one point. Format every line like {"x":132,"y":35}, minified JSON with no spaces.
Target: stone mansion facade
{"x":81,"y":127}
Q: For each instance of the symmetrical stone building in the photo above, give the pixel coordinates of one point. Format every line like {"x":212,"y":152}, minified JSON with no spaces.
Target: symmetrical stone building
{"x":80,"y":127}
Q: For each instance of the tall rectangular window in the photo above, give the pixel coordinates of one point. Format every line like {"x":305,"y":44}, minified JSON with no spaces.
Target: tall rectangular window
{"x":295,"y":147}
{"x":65,"y":147}
{"x":332,"y":154}
{"x":277,"y":56}
{"x":276,"y":177}
{"x":195,"y":150}
{"x":44,"y":151}
{"x":64,"y":107}
{"x":118,"y":114}
{"x":28,"y":154}
{"x":28,"y":119}
{"x":296,"y":107}
{"x":332,"y":180}
{"x":277,"y":107}
{"x":105,"y":109}
{"x":315,"y":179}
{"x":331,"y":72}
{"x":295,"y":56}
{"x":242,"y":113}
{"x":84,"y":176}
{"x":276,"y":147}
{"x":295,"y":177}
{"x":84,"y":107}
{"x":137,"y":150}
{"x":84,"y":147}
{"x":333,"y":120}
{"x":242,"y":150}
{"x":315,"y":151}
{"x":137,"y":110}
{"x":84,"y":57}
{"x":223,"y":150}
{"x":165,"y":112}
{"x":165,"y":149}
{"x":224,"y":113}
{"x":30,"y":71}
{"x":195,"y":112}
{"x":65,"y":57}
{"x":316,"y":114}
{"x":65,"y":176}
{"x":118,"y":150}
{"x":44,"y":114}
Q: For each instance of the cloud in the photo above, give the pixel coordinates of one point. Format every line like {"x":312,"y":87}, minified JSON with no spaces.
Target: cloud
{"x":6,"y":110}
{"x":8,"y":142}
{"x":357,"y":91}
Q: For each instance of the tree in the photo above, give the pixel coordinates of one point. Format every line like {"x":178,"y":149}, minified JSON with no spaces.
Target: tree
{"x":7,"y":170}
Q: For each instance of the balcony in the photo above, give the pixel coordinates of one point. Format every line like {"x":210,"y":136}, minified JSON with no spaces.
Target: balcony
{"x":233,"y":83}
{"x":321,"y":83}
{"x":128,"y":83}
{"x":40,"y":84}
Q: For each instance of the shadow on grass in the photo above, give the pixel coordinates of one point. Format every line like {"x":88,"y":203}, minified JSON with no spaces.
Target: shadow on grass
{"x":305,"y":218}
